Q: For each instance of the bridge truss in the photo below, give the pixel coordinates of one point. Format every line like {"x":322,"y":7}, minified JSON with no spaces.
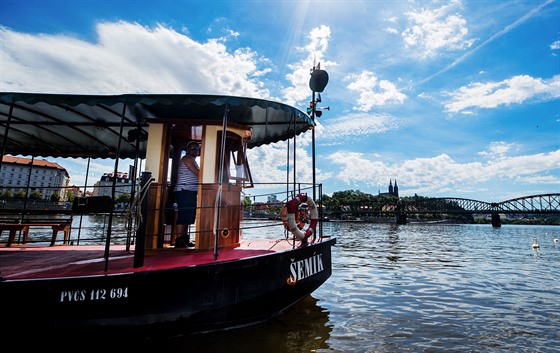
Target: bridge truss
{"x":538,"y":204}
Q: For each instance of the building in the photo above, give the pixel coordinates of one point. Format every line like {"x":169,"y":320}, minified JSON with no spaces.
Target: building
{"x":31,"y":176}
{"x":104,"y":187}
{"x":393,"y":190}
{"x":76,"y":191}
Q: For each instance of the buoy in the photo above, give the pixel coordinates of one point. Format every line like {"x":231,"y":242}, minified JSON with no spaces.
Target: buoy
{"x":556,"y":241}
{"x":535,"y":244}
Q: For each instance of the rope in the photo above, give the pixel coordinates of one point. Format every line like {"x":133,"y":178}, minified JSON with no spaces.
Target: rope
{"x":137,"y":203}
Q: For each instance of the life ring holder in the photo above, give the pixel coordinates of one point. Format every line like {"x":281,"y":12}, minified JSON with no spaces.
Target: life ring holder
{"x":291,"y":219}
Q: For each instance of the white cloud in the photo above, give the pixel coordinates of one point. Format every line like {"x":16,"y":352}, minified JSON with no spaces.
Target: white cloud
{"x":354,"y":126}
{"x":491,"y":39}
{"x":128,"y":58}
{"x":555,"y":45}
{"x":373,"y":92}
{"x":498,"y":149}
{"x":517,"y":89}
{"x":432,"y":30}
{"x":268,"y":165}
{"x":391,"y":30}
{"x":232,"y":33}
{"x":434,"y":175}
{"x":538,"y":179}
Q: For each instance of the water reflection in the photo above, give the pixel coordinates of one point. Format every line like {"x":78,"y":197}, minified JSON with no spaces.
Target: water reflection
{"x":303,"y":328}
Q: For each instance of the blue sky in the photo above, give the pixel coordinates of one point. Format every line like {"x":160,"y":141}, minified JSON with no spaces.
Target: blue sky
{"x":450,"y":98}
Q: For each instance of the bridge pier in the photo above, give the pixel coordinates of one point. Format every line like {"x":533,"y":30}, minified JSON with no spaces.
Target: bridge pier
{"x":400,"y":218}
{"x":496,"y":221}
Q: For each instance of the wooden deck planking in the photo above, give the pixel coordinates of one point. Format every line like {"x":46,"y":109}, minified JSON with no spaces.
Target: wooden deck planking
{"x":18,"y":262}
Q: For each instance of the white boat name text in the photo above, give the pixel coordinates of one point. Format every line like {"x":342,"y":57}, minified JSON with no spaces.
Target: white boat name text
{"x":82,"y":295}
{"x":307,"y":267}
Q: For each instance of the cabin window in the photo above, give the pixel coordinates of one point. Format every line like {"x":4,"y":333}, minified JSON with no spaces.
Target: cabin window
{"x":196,"y":133}
{"x":236,"y":167}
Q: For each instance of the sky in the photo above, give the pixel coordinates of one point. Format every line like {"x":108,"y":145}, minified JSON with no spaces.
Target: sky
{"x":447,"y":98}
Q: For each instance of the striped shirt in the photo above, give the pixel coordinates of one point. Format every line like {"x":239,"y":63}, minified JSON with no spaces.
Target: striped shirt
{"x":186,"y":179}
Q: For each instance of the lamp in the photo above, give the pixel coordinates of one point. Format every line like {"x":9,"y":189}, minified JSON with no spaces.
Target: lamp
{"x":319,"y":79}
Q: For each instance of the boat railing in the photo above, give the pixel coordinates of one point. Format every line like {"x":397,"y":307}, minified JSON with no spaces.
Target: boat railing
{"x":260,"y":208}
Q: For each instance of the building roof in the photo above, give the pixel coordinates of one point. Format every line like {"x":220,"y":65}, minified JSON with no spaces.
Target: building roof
{"x":27,"y":161}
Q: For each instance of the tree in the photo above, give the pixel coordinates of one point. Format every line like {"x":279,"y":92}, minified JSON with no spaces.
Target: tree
{"x":35,"y":195}
{"x":7,"y":195}
{"x":55,"y":197}
{"x":246,"y":201}
{"x":124,"y":198}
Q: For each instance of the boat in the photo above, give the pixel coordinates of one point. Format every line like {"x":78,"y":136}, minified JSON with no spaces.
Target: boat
{"x":139,"y":281}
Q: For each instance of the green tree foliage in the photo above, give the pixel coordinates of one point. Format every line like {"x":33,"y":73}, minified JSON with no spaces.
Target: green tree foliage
{"x":35,"y":195}
{"x":8,"y":195}
{"x":124,"y":198}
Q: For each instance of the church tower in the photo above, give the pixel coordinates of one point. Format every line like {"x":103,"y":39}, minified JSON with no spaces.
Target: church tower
{"x":393,"y":190}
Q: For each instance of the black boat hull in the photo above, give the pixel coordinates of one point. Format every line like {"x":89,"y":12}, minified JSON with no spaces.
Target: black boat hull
{"x":189,"y":299}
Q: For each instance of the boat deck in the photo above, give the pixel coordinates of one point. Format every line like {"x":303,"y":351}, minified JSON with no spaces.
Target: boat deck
{"x":28,"y":262}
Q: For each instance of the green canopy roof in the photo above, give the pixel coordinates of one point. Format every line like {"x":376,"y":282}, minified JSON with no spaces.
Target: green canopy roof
{"x":65,"y":125}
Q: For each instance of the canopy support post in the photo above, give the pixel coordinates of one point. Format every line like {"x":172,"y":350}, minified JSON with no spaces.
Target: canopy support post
{"x":117,"y":155}
{"x":220,"y":182}
{"x":6,"y":133}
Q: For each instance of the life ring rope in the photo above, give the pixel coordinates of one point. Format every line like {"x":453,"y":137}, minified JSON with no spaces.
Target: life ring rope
{"x":290,"y":217}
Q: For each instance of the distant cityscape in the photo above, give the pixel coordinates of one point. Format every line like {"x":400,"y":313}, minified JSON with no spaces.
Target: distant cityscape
{"x":50,"y":181}
{"x":38,"y":179}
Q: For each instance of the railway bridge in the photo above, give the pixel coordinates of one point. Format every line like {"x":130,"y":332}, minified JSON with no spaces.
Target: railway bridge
{"x":535,"y":204}
{"x":403,"y":207}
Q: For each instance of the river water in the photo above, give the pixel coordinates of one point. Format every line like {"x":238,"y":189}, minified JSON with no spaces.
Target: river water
{"x":414,"y":288}
{"x":418,"y":288}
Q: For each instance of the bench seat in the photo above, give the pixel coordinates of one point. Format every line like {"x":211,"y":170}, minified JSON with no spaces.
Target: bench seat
{"x":64,"y":226}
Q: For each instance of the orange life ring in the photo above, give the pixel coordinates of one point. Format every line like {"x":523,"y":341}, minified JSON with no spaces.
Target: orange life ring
{"x":292,"y":221}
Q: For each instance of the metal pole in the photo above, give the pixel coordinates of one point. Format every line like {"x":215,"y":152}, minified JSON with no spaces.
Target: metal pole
{"x":113,"y":193}
{"x":218,"y":204}
{"x":143,"y":208}
{"x":27,"y":188}
{"x":313,"y":142}
{"x":84,"y":195}
{"x":5,"y":139}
